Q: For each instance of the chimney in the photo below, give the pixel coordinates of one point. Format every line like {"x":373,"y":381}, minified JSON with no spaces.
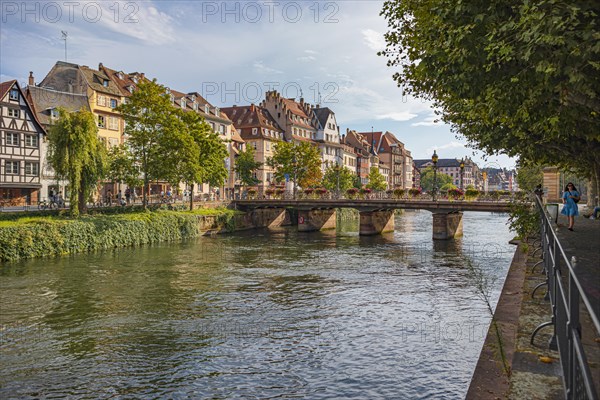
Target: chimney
{"x":252,"y":107}
{"x":302,"y":100}
{"x":100,"y":66}
{"x":31,"y":80}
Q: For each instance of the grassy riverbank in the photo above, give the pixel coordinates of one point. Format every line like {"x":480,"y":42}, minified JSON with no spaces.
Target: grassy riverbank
{"x":54,"y":235}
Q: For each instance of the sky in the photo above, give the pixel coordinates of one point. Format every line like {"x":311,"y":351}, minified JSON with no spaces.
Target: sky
{"x":232,"y":52}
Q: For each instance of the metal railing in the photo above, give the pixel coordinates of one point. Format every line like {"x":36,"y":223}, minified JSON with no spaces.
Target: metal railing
{"x":566,"y":296}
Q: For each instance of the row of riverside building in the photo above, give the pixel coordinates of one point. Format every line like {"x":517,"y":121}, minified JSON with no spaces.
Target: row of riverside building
{"x":27,"y":113}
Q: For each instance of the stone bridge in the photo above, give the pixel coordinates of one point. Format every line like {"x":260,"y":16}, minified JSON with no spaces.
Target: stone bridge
{"x":376,"y":216}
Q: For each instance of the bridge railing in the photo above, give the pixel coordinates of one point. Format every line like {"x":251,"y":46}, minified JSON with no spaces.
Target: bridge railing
{"x":487,"y":197}
{"x":567,"y":297}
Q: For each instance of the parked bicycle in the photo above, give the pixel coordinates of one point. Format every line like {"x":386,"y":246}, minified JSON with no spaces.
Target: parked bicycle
{"x":48,"y":205}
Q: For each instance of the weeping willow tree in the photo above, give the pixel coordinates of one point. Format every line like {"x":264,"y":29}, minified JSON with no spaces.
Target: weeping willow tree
{"x":77,"y":155}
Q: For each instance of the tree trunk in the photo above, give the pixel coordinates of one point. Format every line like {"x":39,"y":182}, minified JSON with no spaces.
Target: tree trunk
{"x":81,"y":202}
{"x":145,"y":192}
{"x":594,"y":187}
{"x":191,"y":196}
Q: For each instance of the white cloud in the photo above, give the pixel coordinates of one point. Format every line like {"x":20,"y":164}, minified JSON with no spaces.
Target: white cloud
{"x":311,"y":52}
{"x":397,"y":116}
{"x":430,"y":120}
{"x":260,"y":67}
{"x":373,"y":39}
{"x":307,"y":58}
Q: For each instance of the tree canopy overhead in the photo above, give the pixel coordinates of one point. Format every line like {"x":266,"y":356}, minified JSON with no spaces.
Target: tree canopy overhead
{"x":515,"y":77}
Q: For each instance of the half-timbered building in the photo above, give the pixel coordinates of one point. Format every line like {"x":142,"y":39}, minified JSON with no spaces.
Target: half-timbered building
{"x":21,"y":137}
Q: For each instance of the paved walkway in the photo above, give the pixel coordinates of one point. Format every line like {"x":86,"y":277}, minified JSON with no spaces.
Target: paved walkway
{"x":533,"y":371}
{"x":584,"y":244}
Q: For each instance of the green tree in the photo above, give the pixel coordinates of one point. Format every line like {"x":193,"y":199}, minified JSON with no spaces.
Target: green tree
{"x":301,"y":161}
{"x":151,"y":124}
{"x":529,"y":176}
{"x":197,"y":153}
{"x":245,"y":166}
{"x":122,"y":168}
{"x":519,"y":78}
{"x":376,"y":180}
{"x":427,"y":179}
{"x":338,"y":178}
{"x":77,"y":155}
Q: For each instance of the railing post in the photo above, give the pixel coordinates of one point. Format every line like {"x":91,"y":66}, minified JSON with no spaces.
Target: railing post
{"x":573,"y":328}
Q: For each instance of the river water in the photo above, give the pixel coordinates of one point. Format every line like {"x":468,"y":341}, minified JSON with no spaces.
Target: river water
{"x":258,"y":314}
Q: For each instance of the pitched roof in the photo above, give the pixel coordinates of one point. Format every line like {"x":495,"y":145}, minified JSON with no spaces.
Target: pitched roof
{"x":44,"y":100}
{"x":442,"y":163}
{"x":373,"y":138}
{"x":245,"y":118}
{"x":122,"y":80}
{"x":95,"y":79}
{"x":5,"y":87}
{"x":322,"y":114}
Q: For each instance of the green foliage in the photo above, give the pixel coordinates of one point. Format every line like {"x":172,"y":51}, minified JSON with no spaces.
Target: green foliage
{"x":245,"y":165}
{"x":471,"y":193}
{"x":398,"y":193}
{"x":376,"y":180}
{"x":529,"y":176}
{"x":524,"y":218}
{"x":122,"y":168}
{"x":77,"y":155}
{"x":448,"y":187}
{"x":302,"y":160}
{"x":427,"y":179}
{"x":514,"y":77}
{"x":338,"y":177}
{"x":169,"y":143}
{"x":53,"y":236}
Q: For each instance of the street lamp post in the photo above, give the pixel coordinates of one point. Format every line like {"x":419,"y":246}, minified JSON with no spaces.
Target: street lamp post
{"x":434,"y":159}
{"x":462,"y":173}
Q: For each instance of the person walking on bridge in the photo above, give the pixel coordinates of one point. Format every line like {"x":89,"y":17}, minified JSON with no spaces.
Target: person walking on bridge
{"x":570,"y":199}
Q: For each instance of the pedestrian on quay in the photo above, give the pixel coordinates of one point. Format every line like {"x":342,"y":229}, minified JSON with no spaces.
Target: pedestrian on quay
{"x":570,"y":199}
{"x":127,"y":195}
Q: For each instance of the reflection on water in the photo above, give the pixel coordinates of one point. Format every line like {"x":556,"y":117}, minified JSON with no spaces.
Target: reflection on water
{"x":258,"y":314}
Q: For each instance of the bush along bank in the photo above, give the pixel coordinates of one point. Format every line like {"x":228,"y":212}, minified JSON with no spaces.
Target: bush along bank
{"x":30,"y":237}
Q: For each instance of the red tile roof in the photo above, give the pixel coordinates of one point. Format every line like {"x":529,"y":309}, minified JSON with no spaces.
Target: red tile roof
{"x":245,"y":118}
{"x":5,"y":87}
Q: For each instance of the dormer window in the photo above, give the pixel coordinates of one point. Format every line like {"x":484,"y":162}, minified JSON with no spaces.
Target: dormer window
{"x":207,"y":109}
{"x":183,"y":103}
{"x":14,"y":94}
{"x":135,"y":79}
{"x":167,"y":90}
{"x":193,"y":97}
{"x":217,"y":111}
{"x":195,"y":106}
{"x":172,"y":99}
{"x":53,"y":113}
{"x":105,"y":82}
{"x":130,"y":87}
{"x":120,"y":74}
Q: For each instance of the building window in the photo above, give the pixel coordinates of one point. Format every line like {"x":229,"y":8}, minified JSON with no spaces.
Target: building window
{"x":12,"y":112}
{"x":12,"y":139}
{"x":222,"y":129}
{"x":268,"y":146}
{"x":217,"y":111}
{"x":101,"y":100}
{"x":113,"y":103}
{"x":254,"y":145}
{"x":54,"y":113}
{"x":254,"y":131}
{"x":206,"y":109}
{"x":14,"y":94}
{"x":31,"y":141}
{"x":113,"y":123}
{"x":105,"y":83}
{"x":101,"y":121}
{"x":32,"y":168}
{"x":11,"y":167}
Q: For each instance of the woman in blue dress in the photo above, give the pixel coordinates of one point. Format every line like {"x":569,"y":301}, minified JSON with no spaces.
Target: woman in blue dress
{"x":569,"y":198}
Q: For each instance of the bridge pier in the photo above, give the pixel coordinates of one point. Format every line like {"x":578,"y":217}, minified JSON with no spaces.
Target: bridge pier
{"x":270,"y":217}
{"x":316,"y":220}
{"x":376,"y":222}
{"x":447,"y":225}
